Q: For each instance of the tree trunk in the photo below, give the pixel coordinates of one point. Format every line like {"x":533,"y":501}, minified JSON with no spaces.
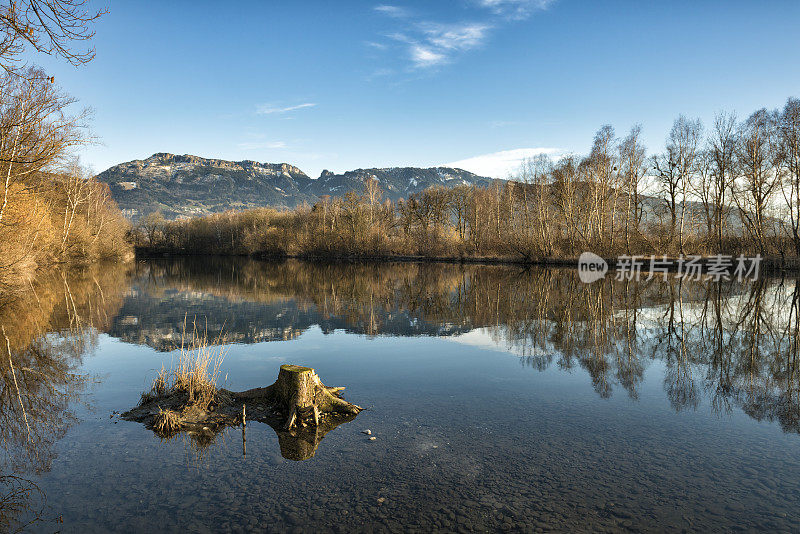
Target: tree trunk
{"x":300,"y":393}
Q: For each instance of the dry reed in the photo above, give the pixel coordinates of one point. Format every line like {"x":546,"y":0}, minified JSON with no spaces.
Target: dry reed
{"x":197,"y":371}
{"x":167,"y":422}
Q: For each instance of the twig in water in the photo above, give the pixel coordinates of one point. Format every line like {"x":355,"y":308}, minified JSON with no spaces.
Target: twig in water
{"x":16,"y":385}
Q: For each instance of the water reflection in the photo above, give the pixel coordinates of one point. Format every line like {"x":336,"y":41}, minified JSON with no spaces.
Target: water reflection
{"x":727,"y":345}
{"x":735,"y":342}
{"x":45,"y":332}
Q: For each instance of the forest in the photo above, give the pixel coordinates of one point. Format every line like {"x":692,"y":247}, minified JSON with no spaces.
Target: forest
{"x":733,"y":189}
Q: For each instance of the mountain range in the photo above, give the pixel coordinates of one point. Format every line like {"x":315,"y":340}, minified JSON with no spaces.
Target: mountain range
{"x":185,"y":186}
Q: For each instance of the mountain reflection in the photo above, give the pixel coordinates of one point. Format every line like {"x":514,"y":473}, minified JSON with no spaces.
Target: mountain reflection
{"x":45,"y":332}
{"x":736,"y":343}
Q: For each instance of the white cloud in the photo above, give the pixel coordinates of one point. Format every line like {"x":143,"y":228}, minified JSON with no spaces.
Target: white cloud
{"x":434,"y":43}
{"x":423,"y":56}
{"x":267,"y":109}
{"x":515,"y":9}
{"x":391,"y":11}
{"x":455,"y":36}
{"x":437,"y":43}
{"x":499,"y":164}
{"x":401,"y":37}
{"x":256,"y":145}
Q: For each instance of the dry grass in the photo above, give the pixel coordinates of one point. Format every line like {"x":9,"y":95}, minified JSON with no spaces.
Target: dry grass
{"x":167,"y":422}
{"x":198,"y":368}
{"x":196,"y":374}
{"x":160,"y":383}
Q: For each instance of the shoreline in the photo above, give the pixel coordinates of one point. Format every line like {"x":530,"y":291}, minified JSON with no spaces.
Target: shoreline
{"x":771,"y":264}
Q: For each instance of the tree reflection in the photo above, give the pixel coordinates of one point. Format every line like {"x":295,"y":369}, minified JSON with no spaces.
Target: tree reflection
{"x":45,"y":331}
{"x":734,"y":343}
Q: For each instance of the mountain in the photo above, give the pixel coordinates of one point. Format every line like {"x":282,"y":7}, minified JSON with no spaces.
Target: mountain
{"x":396,"y":182}
{"x":184,"y":186}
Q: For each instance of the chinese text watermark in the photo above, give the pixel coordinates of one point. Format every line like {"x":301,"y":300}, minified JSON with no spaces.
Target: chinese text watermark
{"x":592,"y":267}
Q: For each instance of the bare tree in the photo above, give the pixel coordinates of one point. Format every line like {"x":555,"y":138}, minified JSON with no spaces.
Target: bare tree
{"x":459,"y":208}
{"x":602,"y":181}
{"x":566,"y":184}
{"x":152,"y":224}
{"x":632,"y":168}
{"x":535,"y":229}
{"x":684,"y":139}
{"x":789,"y":164}
{"x":36,"y":132}
{"x":665,"y":167}
{"x":76,"y":191}
{"x":48,"y":26}
{"x":756,"y":158}
{"x":702,"y":188}
{"x":675,"y":167}
{"x":722,"y":148}
{"x":373,"y":194}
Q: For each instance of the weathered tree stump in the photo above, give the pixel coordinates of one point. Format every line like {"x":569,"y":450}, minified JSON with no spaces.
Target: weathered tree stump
{"x":300,"y":394}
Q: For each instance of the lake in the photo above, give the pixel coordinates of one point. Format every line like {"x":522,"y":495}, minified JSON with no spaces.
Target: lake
{"x":501,"y":398}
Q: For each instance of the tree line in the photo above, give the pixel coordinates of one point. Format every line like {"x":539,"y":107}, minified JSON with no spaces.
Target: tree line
{"x":734,"y":189}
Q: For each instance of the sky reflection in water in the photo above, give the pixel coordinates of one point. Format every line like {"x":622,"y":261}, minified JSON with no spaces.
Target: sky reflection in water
{"x":501,"y":398}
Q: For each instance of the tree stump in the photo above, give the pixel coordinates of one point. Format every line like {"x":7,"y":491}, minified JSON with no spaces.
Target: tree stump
{"x":300,"y":393}
{"x":303,"y":395}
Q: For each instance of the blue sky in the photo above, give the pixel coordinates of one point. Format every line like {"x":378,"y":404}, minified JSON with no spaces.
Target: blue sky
{"x":349,"y":84}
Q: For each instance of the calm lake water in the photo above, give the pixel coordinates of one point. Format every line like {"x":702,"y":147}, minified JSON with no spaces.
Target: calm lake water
{"x":501,"y":398}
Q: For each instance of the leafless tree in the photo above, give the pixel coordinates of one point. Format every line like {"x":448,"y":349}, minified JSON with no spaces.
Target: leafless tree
{"x":36,"y":130}
{"x":789,"y":164}
{"x":756,"y":158}
{"x":674,"y":169}
{"x":683,"y":141}
{"x":701,"y":188}
{"x":50,"y":27}
{"x":722,"y":149}
{"x":602,"y":181}
{"x":568,"y":203}
{"x":632,"y":169}
{"x":152,"y":224}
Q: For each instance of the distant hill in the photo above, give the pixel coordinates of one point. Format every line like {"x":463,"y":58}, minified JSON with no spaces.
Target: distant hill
{"x":183,"y":186}
{"x":395,"y":182}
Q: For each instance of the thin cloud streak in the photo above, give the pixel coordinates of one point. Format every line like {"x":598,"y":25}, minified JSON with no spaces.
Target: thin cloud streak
{"x":257,"y":145}
{"x":392,"y":11}
{"x":267,"y":109}
{"x":515,"y":9}
{"x":456,"y":36}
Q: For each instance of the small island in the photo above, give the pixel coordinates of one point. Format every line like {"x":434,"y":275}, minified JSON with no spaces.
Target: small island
{"x":298,"y":406}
